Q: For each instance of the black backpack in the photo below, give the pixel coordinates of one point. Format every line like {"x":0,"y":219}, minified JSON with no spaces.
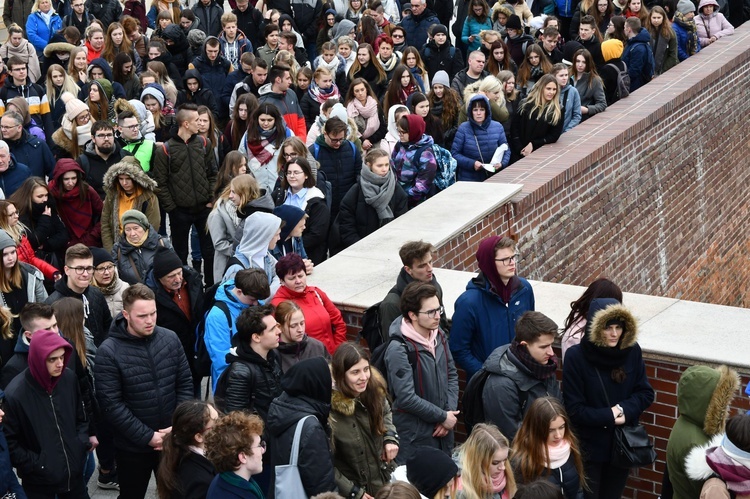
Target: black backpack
{"x":472,"y":403}
{"x":201,"y":358}
{"x":371,"y":327}
{"x":377,"y":358}
{"x":623,"y":81}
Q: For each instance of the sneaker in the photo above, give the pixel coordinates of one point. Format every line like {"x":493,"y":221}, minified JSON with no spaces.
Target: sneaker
{"x":108,"y":480}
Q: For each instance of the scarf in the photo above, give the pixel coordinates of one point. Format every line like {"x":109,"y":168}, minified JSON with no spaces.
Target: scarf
{"x":72,"y":210}
{"x":539,"y":371}
{"x":606,"y":358}
{"x":559,"y":455}
{"x":332,"y":66}
{"x":368,"y":111}
{"x":409,"y":332}
{"x":486,"y":262}
{"x":369,"y":73}
{"x":237,"y":481}
{"x":498,"y":484}
{"x":378,"y":192}
{"x":536,"y":72}
{"x":405,"y":92}
{"x":140,"y":242}
{"x":319,"y":95}
{"x":390,"y":64}
{"x":47,"y":16}
{"x":83,"y":132}
{"x":264,"y":150}
{"x":731,"y":464}
{"x":691,"y":30}
{"x":110,"y":288}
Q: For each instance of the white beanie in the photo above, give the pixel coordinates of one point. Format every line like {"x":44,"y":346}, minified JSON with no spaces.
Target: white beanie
{"x":73,"y":106}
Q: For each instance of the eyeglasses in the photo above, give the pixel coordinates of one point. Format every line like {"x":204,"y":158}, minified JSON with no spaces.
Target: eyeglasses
{"x":83,"y":270}
{"x":85,"y":117}
{"x":508,"y":260}
{"x":294,"y":173}
{"x":104,"y":135}
{"x":261,"y":445}
{"x":435,"y":312}
{"x":102,"y":270}
{"x":336,"y":141}
{"x":290,"y":155}
{"x":129,"y":127}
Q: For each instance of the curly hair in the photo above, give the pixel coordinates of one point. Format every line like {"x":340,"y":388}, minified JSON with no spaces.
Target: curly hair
{"x":234,"y":433}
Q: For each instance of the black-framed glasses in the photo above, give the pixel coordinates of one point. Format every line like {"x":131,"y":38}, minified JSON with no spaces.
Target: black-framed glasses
{"x":336,"y":141}
{"x":129,"y":127}
{"x":82,"y":270}
{"x":108,"y":268}
{"x":104,"y":135}
{"x":508,"y":260}
{"x":435,"y":312}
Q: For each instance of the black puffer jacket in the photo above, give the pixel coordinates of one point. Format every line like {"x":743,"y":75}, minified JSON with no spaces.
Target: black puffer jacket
{"x":440,"y":59}
{"x":139,"y":383}
{"x":98,"y":320}
{"x":357,"y":219}
{"x":305,"y":387}
{"x":341,"y":166}
{"x":168,"y":314}
{"x":565,"y":477}
{"x":135,"y":262}
{"x":250,"y":382}
{"x":187,"y":176}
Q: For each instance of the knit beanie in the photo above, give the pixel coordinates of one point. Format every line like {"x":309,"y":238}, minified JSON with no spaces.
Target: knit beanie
{"x":165,"y":261}
{"x":291,"y":215}
{"x":429,"y":470}
{"x":569,"y":50}
{"x":6,"y":241}
{"x":156,"y":91}
{"x":106,"y":87}
{"x":135,"y":217}
{"x":100,"y":256}
{"x":439,"y":28}
{"x":611,"y":49}
{"x":442,"y":78}
{"x":196,"y":38}
{"x":685,"y":6}
{"x":416,"y":127}
{"x":73,"y":106}
{"x":514,"y":22}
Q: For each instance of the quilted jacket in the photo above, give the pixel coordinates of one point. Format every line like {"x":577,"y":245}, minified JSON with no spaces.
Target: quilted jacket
{"x":139,"y":383}
{"x":187,"y":175}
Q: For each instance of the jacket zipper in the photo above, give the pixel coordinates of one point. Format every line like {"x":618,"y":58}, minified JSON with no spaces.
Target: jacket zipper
{"x":59,"y":432}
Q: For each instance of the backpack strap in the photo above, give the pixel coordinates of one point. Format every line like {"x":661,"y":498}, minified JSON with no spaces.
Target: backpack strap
{"x":316,"y":150}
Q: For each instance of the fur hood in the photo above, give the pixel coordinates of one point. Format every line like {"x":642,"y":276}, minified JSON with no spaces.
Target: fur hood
{"x":696,"y":466}
{"x":704,"y":395}
{"x":127,"y":168}
{"x":602,"y":317}
{"x":345,"y":405}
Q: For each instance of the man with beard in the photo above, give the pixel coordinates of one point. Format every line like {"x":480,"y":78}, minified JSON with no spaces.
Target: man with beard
{"x":100,"y":153}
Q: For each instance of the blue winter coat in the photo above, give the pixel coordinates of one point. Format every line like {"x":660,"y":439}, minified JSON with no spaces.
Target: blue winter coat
{"x":489,"y":135}
{"x":12,"y":178}
{"x":473,"y":27}
{"x":682,"y":40}
{"x":640,"y":59}
{"x":39,"y":33}
{"x":416,"y":27}
{"x":482,"y":322}
{"x":34,"y":153}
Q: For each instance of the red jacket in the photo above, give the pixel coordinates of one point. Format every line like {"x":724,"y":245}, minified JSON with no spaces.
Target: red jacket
{"x":323,"y":320}
{"x":288,"y":106}
{"x":26,"y":254}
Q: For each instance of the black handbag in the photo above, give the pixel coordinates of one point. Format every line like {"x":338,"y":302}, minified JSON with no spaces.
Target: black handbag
{"x":632,"y":447}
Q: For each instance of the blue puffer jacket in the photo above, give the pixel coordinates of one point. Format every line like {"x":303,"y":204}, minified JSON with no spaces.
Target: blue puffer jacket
{"x":489,"y":135}
{"x":640,"y":60}
{"x":482,"y":322}
{"x":12,"y":178}
{"x":34,"y":153}
{"x":39,"y":33}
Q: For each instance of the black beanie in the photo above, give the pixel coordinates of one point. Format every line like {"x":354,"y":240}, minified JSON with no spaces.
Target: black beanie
{"x":429,"y":470}
{"x":165,"y":261}
{"x":100,"y":256}
{"x":514,"y":22}
{"x":439,"y":28}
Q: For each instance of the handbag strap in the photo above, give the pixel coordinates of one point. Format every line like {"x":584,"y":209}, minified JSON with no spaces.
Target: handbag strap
{"x":606,"y":397}
{"x":478,"y":149}
{"x":295,"y":443}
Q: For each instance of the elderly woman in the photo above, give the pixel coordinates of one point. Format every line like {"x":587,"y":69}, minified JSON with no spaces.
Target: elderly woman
{"x":106,"y":280}
{"x":127,"y":187}
{"x":135,"y":250}
{"x":323,"y":320}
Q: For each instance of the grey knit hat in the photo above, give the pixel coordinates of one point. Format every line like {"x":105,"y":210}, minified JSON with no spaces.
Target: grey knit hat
{"x":6,"y":241}
{"x":441,"y":77}
{"x":135,"y":217}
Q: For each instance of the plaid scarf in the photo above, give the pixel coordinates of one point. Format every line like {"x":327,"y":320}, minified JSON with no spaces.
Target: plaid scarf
{"x":262,"y":152}
{"x":690,"y":29}
{"x":731,"y":464}
{"x":538,"y":370}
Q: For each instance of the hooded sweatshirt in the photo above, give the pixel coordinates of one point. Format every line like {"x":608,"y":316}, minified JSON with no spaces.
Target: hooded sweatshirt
{"x":253,"y":252}
{"x":391,"y":138}
{"x":46,"y":342}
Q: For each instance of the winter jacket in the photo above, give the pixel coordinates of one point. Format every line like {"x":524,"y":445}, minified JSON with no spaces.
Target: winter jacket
{"x":307,"y":392}
{"x":39,"y":32}
{"x":218,"y":333}
{"x":180,"y":54}
{"x":665,"y":52}
{"x":222,"y":225}
{"x":421,"y":398}
{"x":609,"y":73}
{"x":204,"y":96}
{"x":589,"y":408}
{"x":72,"y":20}
{"x":390,"y":307}
{"x":416,"y":27}
{"x":250,"y":382}
{"x":357,"y":219}
{"x":570,"y":101}
{"x":510,"y":390}
{"x":114,"y":299}
{"x":8,"y":480}
{"x":306,"y":16}
{"x":715,"y":25}
{"x":97,"y":317}
{"x":309,"y":348}
{"x":315,"y":236}
{"x":34,"y":153}
{"x":81,"y":218}
{"x":26,"y":52}
{"x":95,"y":167}
{"x":487,"y":136}
{"x":153,"y":13}
{"x":135,"y":262}
{"x":288,"y":106}
{"x":146,"y":202}
{"x":517,"y":47}
{"x":703,"y":395}
{"x":249,"y":22}
{"x":415,"y":166}
{"x":527,"y":128}
{"x":26,"y":254}
{"x":15,"y":11}
{"x":139,"y":383}
{"x":357,"y":447}
{"x":36,"y":97}
{"x":444,"y":58}
{"x":639,"y":58}
{"x":210,"y":17}
{"x":462,"y":80}
{"x":233,"y":51}
{"x":591,"y":92}
{"x":47,"y":234}
{"x":341,"y":167}
{"x":187,"y":175}
{"x":194,"y":474}
{"x":594,"y":46}
{"x":472,"y":27}
{"x":214,"y":74}
{"x":266,"y":174}
{"x":12,"y":178}
{"x":682,"y":42}
{"x":564,"y":478}
{"x":229,"y":485}
{"x":323,"y":321}
{"x":107,"y":11}
{"x":482,"y":322}
{"x":170,"y":316}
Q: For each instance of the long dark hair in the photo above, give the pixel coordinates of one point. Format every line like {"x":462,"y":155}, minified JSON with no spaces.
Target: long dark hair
{"x":373,"y":398}
{"x":492,"y":65}
{"x":189,"y":418}
{"x":22,"y":197}
{"x":69,"y":315}
{"x":238,"y":126}
{"x":120,"y":60}
{"x":600,"y":288}
{"x":253,"y":128}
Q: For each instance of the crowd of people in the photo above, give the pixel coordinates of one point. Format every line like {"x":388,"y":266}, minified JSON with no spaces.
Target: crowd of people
{"x":170,"y":175}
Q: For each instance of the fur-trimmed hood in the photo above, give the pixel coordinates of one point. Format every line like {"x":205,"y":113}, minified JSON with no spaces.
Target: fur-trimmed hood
{"x":345,"y":405}
{"x":127,"y":168}
{"x":696,"y":466}
{"x":614,"y":312}
{"x":704,"y":394}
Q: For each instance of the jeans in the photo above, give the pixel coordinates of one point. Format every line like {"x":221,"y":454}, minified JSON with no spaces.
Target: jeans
{"x":134,"y":471}
{"x":180,"y":221}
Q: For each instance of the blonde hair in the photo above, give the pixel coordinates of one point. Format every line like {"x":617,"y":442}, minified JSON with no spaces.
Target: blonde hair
{"x":286,"y":58}
{"x":485,"y":86}
{"x":549,"y":111}
{"x":476,"y":457}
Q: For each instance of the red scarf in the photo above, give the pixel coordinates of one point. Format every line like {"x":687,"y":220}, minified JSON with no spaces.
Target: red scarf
{"x":261,"y":151}
{"x":76,"y":215}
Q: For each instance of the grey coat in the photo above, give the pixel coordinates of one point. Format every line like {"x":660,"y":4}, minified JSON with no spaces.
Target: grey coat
{"x":503,"y":398}
{"x":222,"y":225}
{"x":592,"y":94}
{"x":417,"y":407}
{"x":35,"y":292}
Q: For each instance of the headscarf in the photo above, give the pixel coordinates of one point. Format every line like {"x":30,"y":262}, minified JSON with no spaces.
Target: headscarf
{"x":416,"y":127}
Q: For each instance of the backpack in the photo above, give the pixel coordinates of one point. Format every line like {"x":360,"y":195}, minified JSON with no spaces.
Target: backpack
{"x":371,"y":327}
{"x":377,"y":358}
{"x":623,"y":80}
{"x":445,"y":175}
{"x":322,"y":182}
{"x":201,"y":358}
{"x":472,"y":403}
{"x":427,"y":52}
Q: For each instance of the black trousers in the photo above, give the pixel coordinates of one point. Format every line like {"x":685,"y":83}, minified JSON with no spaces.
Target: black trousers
{"x":134,"y":472}
{"x":605,"y":481}
{"x":180,"y":221}
{"x":77,"y":491}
